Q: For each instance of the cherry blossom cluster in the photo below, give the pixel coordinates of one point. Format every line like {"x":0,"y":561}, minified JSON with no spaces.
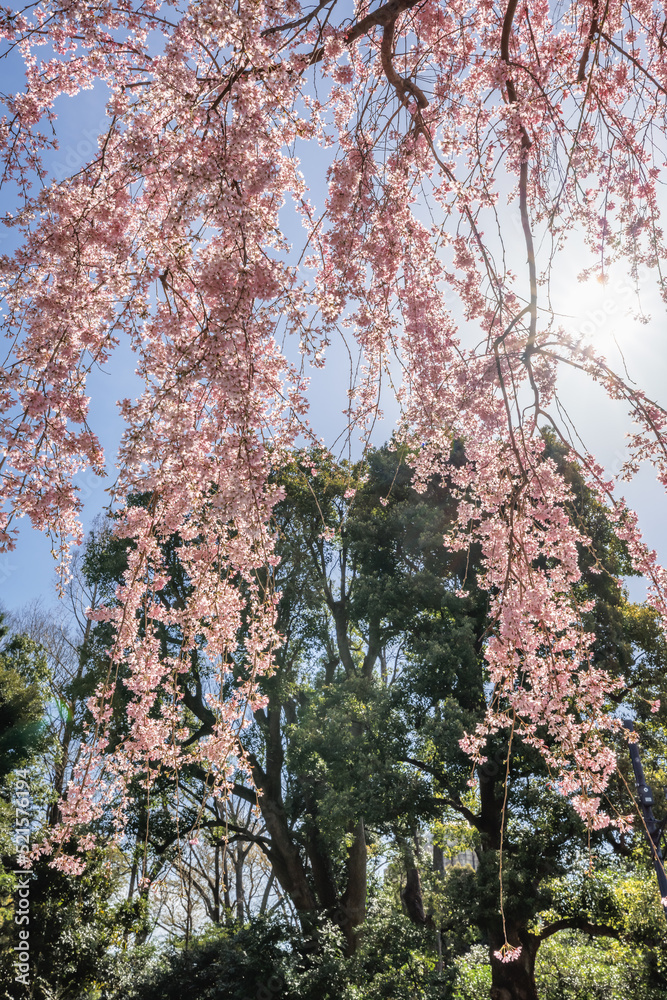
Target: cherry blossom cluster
{"x":199,"y":233}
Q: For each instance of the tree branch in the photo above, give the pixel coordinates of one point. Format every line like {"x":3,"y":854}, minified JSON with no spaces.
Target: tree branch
{"x":442,"y":778}
{"x":635,"y":62}
{"x":401,"y":84}
{"x":381,"y":17}
{"x":594,"y":28}
{"x":512,"y":97}
{"x":306,"y":19}
{"x":574,"y":923}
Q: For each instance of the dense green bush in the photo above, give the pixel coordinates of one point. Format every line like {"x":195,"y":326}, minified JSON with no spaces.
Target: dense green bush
{"x":230,"y":963}
{"x":264,"y":961}
{"x":570,"y":967}
{"x":473,"y":980}
{"x":267,"y":960}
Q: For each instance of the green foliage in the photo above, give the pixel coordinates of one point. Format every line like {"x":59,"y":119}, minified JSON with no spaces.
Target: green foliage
{"x":453,"y":902}
{"x":23,"y":740}
{"x":230,"y":963}
{"x":74,"y":922}
{"x":613,"y":895}
{"x":265,"y":960}
{"x":473,"y":975}
{"x":344,"y":748}
{"x":23,"y":693}
{"x":396,"y":960}
{"x":570,"y":967}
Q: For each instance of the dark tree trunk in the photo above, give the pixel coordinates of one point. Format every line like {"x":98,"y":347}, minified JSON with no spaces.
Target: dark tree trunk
{"x":411,"y":894}
{"x":515,"y":980}
{"x":353,"y":903}
{"x":284,"y":855}
{"x":509,"y":980}
{"x":412,"y":899}
{"x":238,"y":865}
{"x":285,"y":858}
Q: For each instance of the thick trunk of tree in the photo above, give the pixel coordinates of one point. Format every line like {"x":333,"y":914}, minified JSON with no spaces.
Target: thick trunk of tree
{"x":284,"y":854}
{"x":411,"y":894}
{"x":284,"y":857}
{"x":509,"y":980}
{"x":412,"y":899}
{"x":319,"y":856}
{"x":353,"y":903}
{"x":514,"y":980}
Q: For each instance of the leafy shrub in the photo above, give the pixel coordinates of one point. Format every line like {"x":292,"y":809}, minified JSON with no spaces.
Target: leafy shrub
{"x":473,"y":980}
{"x":569,"y":967}
{"x":267,"y":961}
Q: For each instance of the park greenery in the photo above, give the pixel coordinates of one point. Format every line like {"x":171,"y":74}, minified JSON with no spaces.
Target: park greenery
{"x":352,"y":856}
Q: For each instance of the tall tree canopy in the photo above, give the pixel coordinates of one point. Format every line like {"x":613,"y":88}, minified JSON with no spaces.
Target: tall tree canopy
{"x":355,"y":758}
{"x":435,"y":119}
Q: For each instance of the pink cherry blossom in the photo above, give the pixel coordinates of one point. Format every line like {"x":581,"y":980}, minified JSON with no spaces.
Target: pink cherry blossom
{"x":450,"y":132}
{"x":508,"y":954}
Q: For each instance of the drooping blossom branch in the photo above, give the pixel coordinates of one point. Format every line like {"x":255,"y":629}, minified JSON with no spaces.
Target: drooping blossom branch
{"x":196,"y":233}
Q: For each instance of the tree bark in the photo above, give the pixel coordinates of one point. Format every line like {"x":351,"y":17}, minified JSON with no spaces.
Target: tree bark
{"x":238,"y":865}
{"x":283,"y":854}
{"x":509,"y":980}
{"x":515,"y":980}
{"x":284,"y":857}
{"x":353,"y":903}
{"x":411,"y":894}
{"x":412,"y":899}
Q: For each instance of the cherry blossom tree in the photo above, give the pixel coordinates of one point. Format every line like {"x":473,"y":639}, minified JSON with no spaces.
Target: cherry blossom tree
{"x":197,"y":232}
